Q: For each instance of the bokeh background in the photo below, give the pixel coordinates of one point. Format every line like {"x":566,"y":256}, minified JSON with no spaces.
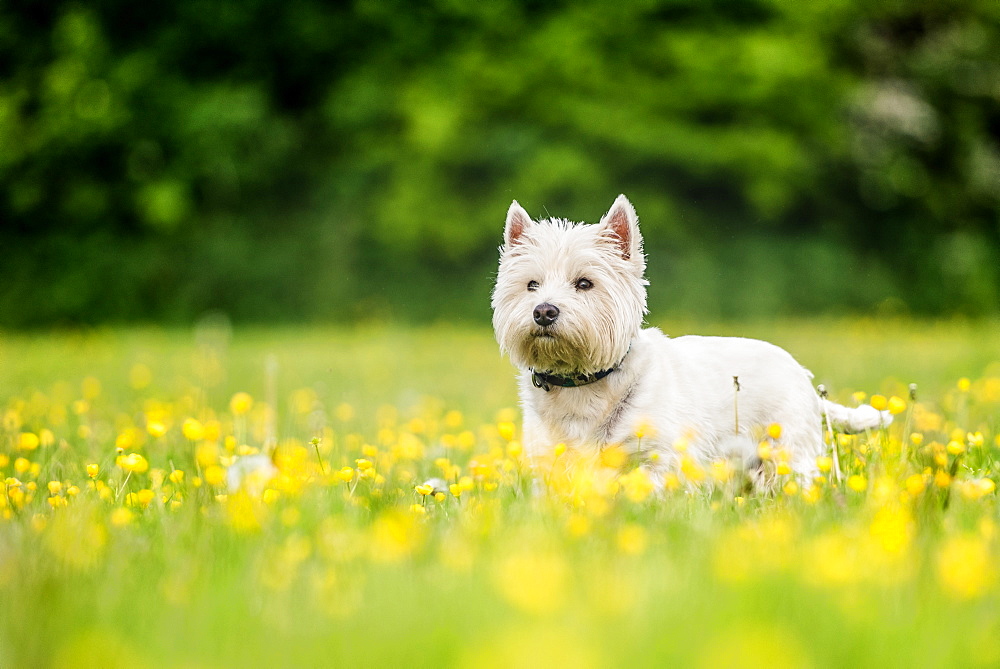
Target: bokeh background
{"x":308,"y":161}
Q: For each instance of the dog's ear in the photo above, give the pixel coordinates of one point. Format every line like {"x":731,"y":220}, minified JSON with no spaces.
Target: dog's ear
{"x":517,"y":222}
{"x":622,"y":225}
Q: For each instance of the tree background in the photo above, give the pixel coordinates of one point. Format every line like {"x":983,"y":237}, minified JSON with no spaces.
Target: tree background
{"x":308,"y":161}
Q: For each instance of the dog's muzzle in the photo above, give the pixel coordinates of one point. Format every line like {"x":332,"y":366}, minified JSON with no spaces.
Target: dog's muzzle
{"x":545,"y":314}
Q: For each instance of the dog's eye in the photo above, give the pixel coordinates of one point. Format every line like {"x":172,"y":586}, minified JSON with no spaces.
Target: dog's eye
{"x":584,"y":284}
{"x":532,"y":286}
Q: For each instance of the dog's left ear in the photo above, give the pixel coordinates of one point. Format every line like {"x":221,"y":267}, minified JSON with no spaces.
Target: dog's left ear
{"x":517,"y":222}
{"x":622,"y":225}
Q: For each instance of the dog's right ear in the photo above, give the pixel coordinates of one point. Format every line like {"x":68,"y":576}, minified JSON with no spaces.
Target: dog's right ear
{"x":518,"y":222}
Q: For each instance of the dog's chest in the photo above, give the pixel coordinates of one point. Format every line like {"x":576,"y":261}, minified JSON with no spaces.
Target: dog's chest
{"x":582,"y":418}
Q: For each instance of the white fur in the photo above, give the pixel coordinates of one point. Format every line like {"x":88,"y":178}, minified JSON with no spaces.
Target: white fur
{"x":675,"y":391}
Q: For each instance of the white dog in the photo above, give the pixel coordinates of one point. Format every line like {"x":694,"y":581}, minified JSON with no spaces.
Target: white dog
{"x":568,"y":308}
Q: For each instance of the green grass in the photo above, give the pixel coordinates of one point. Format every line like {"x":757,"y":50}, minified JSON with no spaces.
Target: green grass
{"x":320,"y":571}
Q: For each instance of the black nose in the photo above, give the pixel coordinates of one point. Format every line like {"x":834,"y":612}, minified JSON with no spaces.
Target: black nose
{"x":546,"y":314}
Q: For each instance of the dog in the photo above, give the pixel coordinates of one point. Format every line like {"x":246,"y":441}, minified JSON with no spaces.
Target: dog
{"x":568,"y":309}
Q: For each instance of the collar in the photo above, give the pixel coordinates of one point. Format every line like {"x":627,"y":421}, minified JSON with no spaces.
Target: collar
{"x":545,"y":381}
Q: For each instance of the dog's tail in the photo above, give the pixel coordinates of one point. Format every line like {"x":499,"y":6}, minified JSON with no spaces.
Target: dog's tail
{"x":857,"y":419}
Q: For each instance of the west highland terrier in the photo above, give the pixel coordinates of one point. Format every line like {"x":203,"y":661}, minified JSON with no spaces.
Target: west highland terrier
{"x":568,"y":309}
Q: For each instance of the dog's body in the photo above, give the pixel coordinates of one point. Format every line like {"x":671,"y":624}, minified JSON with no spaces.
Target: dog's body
{"x":568,"y":308}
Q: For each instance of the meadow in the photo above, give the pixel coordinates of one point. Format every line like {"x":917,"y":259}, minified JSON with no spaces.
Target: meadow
{"x":260,"y":497}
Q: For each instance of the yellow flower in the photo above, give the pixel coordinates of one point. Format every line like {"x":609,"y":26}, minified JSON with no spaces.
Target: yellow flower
{"x":55,"y":487}
{"x":425,"y":489}
{"x":455,"y":489}
{"x":774,"y":431}
{"x":92,"y":470}
{"x":896,"y":405}
{"x":506,"y":430}
{"x":824,"y":463}
{"x":240,"y":403}
{"x":559,"y":449}
{"x":857,"y":483}
{"x":27,"y":441}
{"x":613,"y":457}
{"x":942,"y":479}
{"x":955,"y":447}
{"x":791,"y":488}
{"x":156,"y":428}
{"x":176,"y":476}
{"x":346,"y":474}
{"x":976,"y":488}
{"x":215,"y":475}
{"x":784,"y":469}
{"x":192,"y":429}
{"x":133,"y":462}
{"x":879,"y":402}
{"x":964,"y":384}
{"x":764,"y":450}
{"x":721,"y":470}
{"x":915,"y":484}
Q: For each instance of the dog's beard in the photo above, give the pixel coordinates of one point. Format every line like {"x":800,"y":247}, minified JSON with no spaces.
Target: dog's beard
{"x":561,"y":350}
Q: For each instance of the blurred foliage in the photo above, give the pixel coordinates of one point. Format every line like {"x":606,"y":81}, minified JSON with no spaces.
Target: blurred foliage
{"x":306,"y":160}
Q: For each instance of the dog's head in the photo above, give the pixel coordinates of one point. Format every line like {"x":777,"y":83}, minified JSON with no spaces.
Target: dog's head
{"x":570,"y":297}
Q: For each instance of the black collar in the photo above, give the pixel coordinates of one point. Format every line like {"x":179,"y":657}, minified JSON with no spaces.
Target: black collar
{"x":545,"y":381}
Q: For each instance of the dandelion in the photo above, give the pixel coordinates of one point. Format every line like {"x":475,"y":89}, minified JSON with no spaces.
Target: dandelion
{"x":132,"y":463}
{"x":915,"y":484}
{"x":241,"y":403}
{"x":27,"y":441}
{"x":215,"y":475}
{"x":764,"y":451}
{"x":192,"y":429}
{"x":506,"y":430}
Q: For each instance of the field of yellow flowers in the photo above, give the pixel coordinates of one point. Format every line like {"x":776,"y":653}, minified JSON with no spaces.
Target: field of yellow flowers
{"x":321,"y":497}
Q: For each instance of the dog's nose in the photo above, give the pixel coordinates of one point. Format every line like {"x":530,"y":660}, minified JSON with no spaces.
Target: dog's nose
{"x":546,"y":314}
